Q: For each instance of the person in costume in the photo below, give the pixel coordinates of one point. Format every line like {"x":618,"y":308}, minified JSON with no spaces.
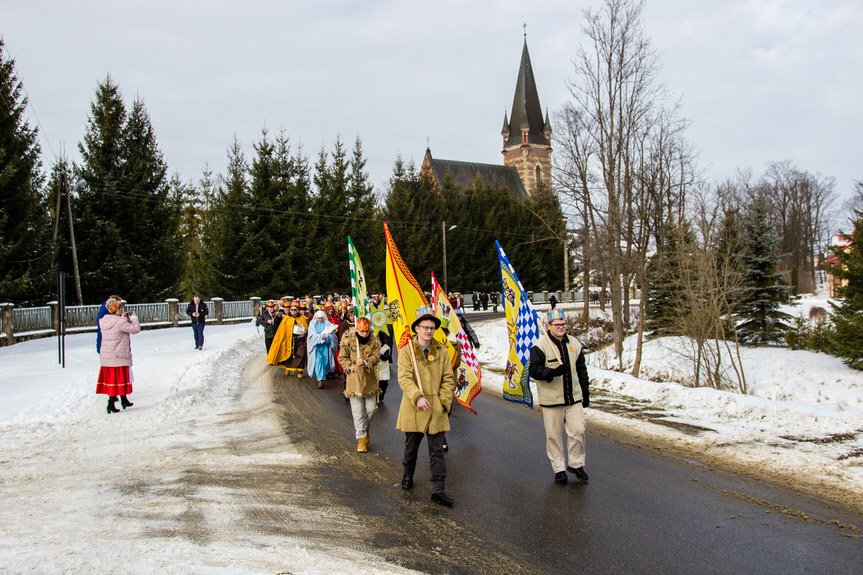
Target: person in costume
{"x":425,"y":376}
{"x":267,"y":320}
{"x":115,"y":354}
{"x":322,"y":347}
{"x":384,"y":365}
{"x":359,"y":354}
{"x":452,"y":340}
{"x":333,"y":318}
{"x":289,"y":343}
{"x":558,"y":367}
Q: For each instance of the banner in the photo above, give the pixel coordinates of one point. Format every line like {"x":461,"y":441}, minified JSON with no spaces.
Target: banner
{"x":523,"y":327}
{"x":403,"y":293}
{"x":359,"y":294}
{"x":468,"y":376}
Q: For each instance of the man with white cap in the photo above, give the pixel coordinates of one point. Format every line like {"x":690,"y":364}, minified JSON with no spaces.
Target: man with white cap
{"x":556,"y":360}
{"x":425,"y":376}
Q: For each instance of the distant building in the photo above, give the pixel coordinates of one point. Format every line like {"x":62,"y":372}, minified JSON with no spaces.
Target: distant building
{"x":526,"y":145}
{"x":837,"y":242}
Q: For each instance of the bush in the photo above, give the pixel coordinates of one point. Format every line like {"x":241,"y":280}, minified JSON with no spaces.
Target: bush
{"x":813,"y":333}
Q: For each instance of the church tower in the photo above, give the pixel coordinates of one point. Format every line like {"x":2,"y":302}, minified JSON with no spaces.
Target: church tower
{"x":526,"y":136}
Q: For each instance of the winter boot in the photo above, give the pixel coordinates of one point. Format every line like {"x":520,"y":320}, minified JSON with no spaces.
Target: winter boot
{"x":112,"y":399}
{"x":124,"y":401}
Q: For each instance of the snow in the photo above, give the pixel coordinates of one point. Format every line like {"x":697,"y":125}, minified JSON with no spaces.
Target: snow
{"x":82,"y":491}
{"x":86,"y":492}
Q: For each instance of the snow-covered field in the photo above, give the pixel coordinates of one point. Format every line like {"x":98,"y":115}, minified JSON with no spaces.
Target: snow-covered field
{"x":82,"y":491}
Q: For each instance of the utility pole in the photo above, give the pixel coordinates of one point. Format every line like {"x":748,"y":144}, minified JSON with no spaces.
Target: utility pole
{"x":64,"y":190}
{"x":443,"y":230}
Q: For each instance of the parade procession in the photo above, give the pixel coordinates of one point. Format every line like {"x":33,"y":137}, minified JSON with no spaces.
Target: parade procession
{"x":354,"y":342}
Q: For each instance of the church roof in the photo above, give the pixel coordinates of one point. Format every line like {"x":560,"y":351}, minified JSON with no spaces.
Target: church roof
{"x":464,"y":174}
{"x":526,"y":111}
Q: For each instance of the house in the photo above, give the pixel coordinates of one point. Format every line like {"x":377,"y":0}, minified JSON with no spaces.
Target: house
{"x":837,"y":242}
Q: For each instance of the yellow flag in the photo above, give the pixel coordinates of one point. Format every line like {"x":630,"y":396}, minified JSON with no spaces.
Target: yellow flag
{"x":468,"y":374}
{"x":403,"y":293}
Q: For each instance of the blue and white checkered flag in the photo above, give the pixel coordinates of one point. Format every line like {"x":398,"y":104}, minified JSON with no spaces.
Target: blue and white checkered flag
{"x":523,"y":327}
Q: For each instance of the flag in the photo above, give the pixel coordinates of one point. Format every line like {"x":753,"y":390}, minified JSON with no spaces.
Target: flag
{"x":359,"y":295}
{"x":403,"y":293}
{"x":468,"y":378}
{"x":523,"y":327}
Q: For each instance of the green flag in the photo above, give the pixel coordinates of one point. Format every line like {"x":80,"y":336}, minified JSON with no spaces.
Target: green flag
{"x":359,"y":295}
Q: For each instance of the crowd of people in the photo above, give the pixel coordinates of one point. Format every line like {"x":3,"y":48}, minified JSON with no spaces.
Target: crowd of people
{"x":323,"y":340}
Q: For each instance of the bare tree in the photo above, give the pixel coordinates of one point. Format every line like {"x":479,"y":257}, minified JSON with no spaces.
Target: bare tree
{"x":621,"y":156}
{"x":799,"y":204}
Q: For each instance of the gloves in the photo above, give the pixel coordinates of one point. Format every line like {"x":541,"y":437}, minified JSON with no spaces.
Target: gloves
{"x":557,"y":371}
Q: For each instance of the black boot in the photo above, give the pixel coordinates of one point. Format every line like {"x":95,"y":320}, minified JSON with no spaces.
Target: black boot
{"x":112,"y":399}
{"x":124,"y":401}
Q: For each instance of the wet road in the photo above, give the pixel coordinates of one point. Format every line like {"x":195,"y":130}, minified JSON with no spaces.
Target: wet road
{"x":641,"y":512}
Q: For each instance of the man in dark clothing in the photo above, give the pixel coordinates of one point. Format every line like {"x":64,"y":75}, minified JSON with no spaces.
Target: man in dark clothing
{"x":198,"y":311}
{"x":267,"y":319}
{"x":484,"y":299}
{"x":552,"y":300}
{"x":556,"y":360}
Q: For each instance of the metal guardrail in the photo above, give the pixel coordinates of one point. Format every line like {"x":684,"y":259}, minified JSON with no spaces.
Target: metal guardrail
{"x":79,"y":316}
{"x":31,"y":318}
{"x":150,"y":312}
{"x":234,"y":309}
{"x":34,"y":319}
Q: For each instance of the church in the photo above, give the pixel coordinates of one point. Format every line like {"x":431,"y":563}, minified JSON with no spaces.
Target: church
{"x":526,"y":145}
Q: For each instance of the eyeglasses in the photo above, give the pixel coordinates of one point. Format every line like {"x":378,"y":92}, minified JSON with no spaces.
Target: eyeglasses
{"x":557,"y":324}
{"x":426,"y":327}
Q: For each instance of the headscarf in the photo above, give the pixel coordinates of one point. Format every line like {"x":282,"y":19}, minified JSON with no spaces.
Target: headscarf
{"x":319,"y":326}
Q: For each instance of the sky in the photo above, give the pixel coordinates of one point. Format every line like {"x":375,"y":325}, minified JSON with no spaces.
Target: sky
{"x":74,"y":502}
{"x":759,"y":81}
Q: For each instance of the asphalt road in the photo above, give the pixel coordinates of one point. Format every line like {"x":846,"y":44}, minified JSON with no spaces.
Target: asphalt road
{"x":641,"y":511}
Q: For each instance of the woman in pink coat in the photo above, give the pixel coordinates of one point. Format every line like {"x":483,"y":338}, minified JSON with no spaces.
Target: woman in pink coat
{"x":115,"y":375}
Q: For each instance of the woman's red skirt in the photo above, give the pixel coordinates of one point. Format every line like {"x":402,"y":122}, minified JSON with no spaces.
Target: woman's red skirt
{"x":115,"y":380}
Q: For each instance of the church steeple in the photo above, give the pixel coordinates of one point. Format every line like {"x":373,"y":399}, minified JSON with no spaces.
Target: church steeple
{"x":526,"y":125}
{"x":527,"y":136}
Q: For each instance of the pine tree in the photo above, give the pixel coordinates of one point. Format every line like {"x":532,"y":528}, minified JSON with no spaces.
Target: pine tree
{"x":847,"y":336}
{"x":760,"y":320}
{"x":663,"y":280}
{"x":294,"y":173}
{"x":227,"y":233}
{"x":126,"y":216}
{"x":190,"y":234}
{"x":25,"y":242}
{"x":364,"y":225}
{"x":156,"y":205}
{"x":331,"y":218}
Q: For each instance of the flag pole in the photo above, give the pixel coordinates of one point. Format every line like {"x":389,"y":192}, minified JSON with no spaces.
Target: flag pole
{"x":416,"y":367}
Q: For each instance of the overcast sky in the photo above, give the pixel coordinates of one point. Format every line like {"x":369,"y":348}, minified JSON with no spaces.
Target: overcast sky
{"x":759,"y":80}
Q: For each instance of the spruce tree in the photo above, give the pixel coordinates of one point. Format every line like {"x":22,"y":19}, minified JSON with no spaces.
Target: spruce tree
{"x":847,"y":336}
{"x":294,"y":219}
{"x":156,"y":205}
{"x":126,"y":215}
{"x":227,"y":233}
{"x":330,"y":222}
{"x":664,"y":280}
{"x":25,"y":240}
{"x":364,"y":225}
{"x":264,"y":238}
{"x":760,"y":319}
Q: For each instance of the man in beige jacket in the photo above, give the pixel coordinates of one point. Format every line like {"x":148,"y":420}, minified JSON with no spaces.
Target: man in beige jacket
{"x":425,"y":376}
